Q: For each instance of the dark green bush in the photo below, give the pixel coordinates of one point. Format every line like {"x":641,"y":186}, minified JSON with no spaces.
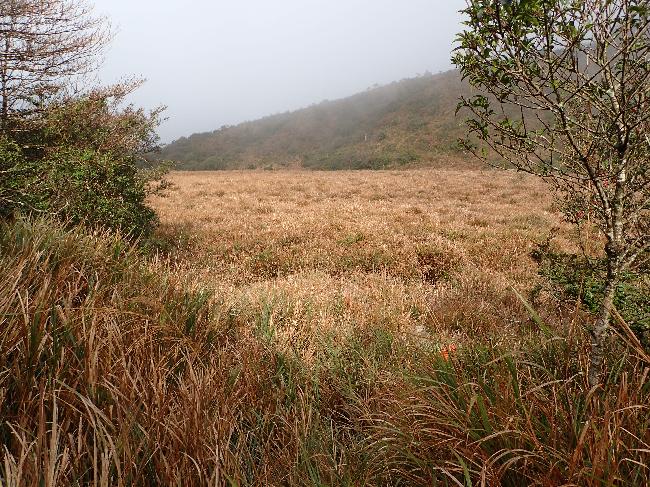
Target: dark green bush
{"x":17,"y":179}
{"x":97,"y":190}
{"x":83,"y":163}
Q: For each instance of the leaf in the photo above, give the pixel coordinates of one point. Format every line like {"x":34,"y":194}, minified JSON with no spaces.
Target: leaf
{"x":534,"y":315}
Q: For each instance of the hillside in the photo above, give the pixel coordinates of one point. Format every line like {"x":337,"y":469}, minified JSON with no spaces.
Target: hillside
{"x":408,"y":122}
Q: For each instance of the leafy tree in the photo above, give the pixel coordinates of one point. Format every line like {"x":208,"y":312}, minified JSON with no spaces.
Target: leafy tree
{"x":564,"y":93}
{"x":66,"y":150}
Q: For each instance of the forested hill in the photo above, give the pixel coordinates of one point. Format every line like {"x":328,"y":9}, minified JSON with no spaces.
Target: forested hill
{"x":409,"y":122}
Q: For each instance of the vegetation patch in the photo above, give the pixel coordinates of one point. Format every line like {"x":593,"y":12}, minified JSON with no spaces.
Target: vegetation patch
{"x":576,"y":277}
{"x":112,"y":357}
{"x":406,"y":123}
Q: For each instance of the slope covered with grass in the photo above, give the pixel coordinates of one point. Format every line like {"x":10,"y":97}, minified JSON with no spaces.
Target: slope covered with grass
{"x":116,"y":369}
{"x":410,"y":122}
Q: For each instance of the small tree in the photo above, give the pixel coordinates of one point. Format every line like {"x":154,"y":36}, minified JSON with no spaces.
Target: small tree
{"x":67,"y":150}
{"x":565,"y":95}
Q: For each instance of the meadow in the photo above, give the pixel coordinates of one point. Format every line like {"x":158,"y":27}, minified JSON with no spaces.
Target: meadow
{"x":314,"y":328}
{"x":430,"y":251}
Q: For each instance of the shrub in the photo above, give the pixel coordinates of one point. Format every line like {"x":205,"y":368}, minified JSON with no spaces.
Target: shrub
{"x":84,"y":164}
{"x":17,"y":179}
{"x":98,"y":190}
{"x":575,"y":277}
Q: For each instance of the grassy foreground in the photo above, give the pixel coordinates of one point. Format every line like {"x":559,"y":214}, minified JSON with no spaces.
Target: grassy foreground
{"x":117,"y":368}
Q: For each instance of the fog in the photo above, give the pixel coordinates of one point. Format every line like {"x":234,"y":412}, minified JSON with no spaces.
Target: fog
{"x":216,"y":62}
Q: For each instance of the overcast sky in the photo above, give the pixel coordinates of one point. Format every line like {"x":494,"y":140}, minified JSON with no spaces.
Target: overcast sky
{"x":216,"y":62}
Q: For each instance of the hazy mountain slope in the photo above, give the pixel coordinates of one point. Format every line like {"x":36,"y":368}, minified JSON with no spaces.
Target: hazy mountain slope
{"x":407,"y":122}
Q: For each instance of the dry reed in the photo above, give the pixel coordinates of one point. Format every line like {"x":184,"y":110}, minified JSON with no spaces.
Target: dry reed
{"x":309,"y":329}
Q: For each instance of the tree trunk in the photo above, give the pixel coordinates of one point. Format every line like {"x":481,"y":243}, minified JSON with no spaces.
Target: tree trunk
{"x":613,"y":250}
{"x":4,"y":113}
{"x":599,"y":332}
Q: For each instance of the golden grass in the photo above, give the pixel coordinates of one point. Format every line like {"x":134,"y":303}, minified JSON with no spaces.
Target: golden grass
{"x":431,"y":252}
{"x":363,"y":330}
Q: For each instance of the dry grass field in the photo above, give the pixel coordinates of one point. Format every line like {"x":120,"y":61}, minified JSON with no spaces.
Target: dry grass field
{"x":430,"y":252}
{"x":312,"y":329}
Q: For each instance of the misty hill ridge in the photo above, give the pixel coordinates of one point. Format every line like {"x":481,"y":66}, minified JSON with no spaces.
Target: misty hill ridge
{"x":408,"y":122}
